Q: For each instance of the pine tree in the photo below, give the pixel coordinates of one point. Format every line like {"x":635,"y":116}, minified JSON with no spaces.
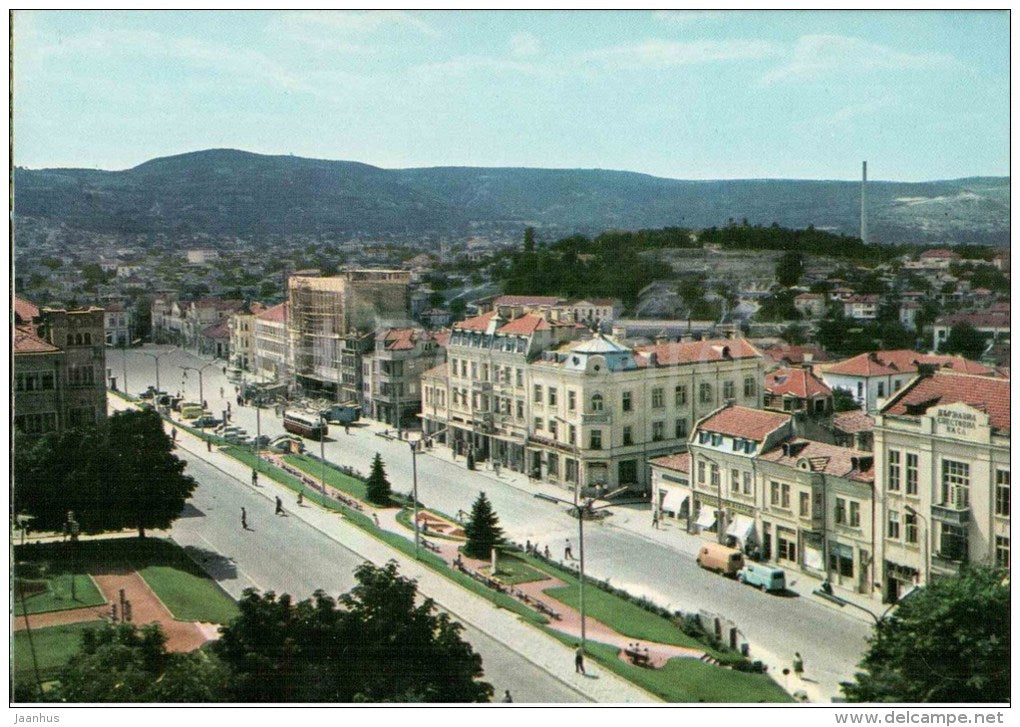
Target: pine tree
{"x":482,"y":529}
{"x":378,"y":485}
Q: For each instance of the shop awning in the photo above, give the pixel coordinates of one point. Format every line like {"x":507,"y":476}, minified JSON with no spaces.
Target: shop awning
{"x":674,"y":500}
{"x":741,"y":528}
{"x":706,"y":518}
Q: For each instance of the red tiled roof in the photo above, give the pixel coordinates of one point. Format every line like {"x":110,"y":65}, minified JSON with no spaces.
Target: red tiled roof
{"x":671,"y":354}
{"x":478,"y":323}
{"x":276,"y":313}
{"x":740,"y":421}
{"x":940,"y":252}
{"x":810,"y":296}
{"x":26,"y":341}
{"x":795,"y":354}
{"x":881,"y":363}
{"x":527,"y":300}
{"x":990,"y":395}
{"x":828,"y":458}
{"x":796,"y":382}
{"x":852,"y":422}
{"x":525,"y":325}
{"x":24,"y":311}
{"x":996,"y":319}
{"x":675,"y":462}
{"x":442,"y":337}
{"x":862,"y":299}
{"x":400,"y":339}
{"x":218,"y":330}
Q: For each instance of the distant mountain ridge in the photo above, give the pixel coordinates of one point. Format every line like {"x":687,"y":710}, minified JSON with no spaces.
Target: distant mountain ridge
{"x":226,"y":191}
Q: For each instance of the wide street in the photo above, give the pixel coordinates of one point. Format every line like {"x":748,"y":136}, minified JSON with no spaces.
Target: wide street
{"x":625,"y":550}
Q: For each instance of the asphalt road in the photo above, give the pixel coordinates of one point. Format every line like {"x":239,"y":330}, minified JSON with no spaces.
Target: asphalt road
{"x":832,"y":642}
{"x":287,"y":555}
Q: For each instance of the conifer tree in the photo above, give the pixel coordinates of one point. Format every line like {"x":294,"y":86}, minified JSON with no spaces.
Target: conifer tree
{"x":378,"y":486}
{"x":482,"y":529}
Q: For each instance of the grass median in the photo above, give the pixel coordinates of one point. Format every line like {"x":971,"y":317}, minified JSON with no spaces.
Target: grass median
{"x":54,"y":646}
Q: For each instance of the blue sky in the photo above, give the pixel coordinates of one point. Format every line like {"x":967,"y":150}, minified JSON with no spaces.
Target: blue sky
{"x":691,"y":95}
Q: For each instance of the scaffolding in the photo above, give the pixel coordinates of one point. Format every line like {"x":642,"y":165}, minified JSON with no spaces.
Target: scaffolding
{"x":316,"y":311}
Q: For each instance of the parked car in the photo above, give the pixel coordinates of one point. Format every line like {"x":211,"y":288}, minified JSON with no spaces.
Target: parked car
{"x":206,"y":420}
{"x":765,"y":577}
{"x":717,"y":557}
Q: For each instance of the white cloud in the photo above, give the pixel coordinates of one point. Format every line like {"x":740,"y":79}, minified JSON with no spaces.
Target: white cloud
{"x":525,"y":44}
{"x":818,"y":56}
{"x":655,"y":53}
{"x":465,"y":65}
{"x":363,"y":22}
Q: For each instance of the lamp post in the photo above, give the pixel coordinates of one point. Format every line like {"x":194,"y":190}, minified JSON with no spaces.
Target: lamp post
{"x":72,"y":529}
{"x":322,"y":452}
{"x":414,"y":492}
{"x":156,"y":357}
{"x":201,"y":394}
{"x":927,"y":535}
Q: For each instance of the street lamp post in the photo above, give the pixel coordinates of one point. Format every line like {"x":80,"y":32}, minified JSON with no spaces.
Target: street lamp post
{"x":414,"y":493}
{"x":201,"y":393}
{"x":927,"y":536}
{"x":156,"y":357}
{"x":322,"y":452}
{"x":72,"y":529}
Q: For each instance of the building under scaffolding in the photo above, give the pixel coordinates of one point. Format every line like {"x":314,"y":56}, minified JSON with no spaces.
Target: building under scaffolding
{"x":326,"y":312}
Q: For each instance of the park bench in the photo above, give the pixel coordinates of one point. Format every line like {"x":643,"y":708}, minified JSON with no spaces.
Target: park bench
{"x":637,"y":657}
{"x":547,"y":610}
{"x":430,"y":545}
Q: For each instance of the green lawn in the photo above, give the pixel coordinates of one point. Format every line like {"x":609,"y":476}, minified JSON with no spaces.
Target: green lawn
{"x":685,"y":680}
{"x":173,"y":576}
{"x":188,"y":596}
{"x":53,"y":647}
{"x":57,"y":596}
{"x":334,"y":477}
{"x":513,"y":570}
{"x":246,"y":456}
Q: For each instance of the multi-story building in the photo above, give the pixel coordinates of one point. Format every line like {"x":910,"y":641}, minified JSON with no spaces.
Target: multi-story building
{"x":810,"y":305}
{"x":270,"y":341}
{"x":59,"y":368}
{"x":242,"y":335}
{"x":793,"y":389}
{"x":942,"y":445}
{"x":324,"y":311}
{"x":117,"y":325}
{"x":862,"y":307}
{"x":872,"y":378}
{"x":994,"y":324}
{"x":392,"y":372}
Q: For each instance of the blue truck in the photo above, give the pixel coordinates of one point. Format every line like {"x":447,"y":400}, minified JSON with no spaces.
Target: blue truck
{"x":342,"y":414}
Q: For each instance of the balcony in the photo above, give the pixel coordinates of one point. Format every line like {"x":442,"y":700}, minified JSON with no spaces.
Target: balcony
{"x":597,"y":418}
{"x":481,"y":386}
{"x":946,"y":564}
{"x":951,"y":514}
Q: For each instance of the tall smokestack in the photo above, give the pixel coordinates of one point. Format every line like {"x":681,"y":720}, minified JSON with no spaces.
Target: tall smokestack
{"x":864,"y":202}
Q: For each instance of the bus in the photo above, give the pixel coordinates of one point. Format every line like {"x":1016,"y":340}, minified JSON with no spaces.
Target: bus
{"x":307,"y":425}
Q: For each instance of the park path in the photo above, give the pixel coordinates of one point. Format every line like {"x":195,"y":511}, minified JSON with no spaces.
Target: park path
{"x":145,"y":608}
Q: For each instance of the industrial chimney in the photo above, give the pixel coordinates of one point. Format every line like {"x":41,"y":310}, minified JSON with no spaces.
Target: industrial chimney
{"x":864,"y":202}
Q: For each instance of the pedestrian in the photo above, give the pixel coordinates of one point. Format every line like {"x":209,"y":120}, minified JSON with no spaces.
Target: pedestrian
{"x":301,"y":498}
{"x":655,"y":519}
{"x":568,"y":554}
{"x":798,"y":664}
{"x":208,"y":445}
{"x":579,"y":660}
{"x":507,"y":699}
{"x":547,"y":552}
{"x":221,"y":394}
{"x":228,"y":408}
{"x":254,"y":478}
{"x":173,"y":435}
{"x":347,"y":428}
{"x":375,"y":519}
{"x":527,"y":546}
{"x":205,"y":404}
{"x":244,"y":519}
{"x":279,"y":506}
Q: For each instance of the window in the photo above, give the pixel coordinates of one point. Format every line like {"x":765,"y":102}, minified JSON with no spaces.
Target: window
{"x":881,"y":389}
{"x":955,"y":483}
{"x":893,"y":480}
{"x":485,"y":372}
{"x":596,"y":402}
{"x":749,"y":387}
{"x":681,"y":429}
{"x":595,"y":439}
{"x":910,"y":528}
{"x":713,"y":473}
{"x":841,"y":559}
{"x":628,"y":472}
{"x":474,"y":369}
{"x":728,"y":390}
{"x":893,"y":525}
{"x":860,"y":390}
{"x":911,"y":474}
{"x":747,"y":483}
{"x":537,"y":395}
{"x":705,"y":393}
{"x":953,"y":543}
{"x":571,"y":400}
{"x":680,"y":395}
{"x":538,"y":424}
{"x":553,"y":464}
{"x":552,"y":396}
{"x":658,"y":398}
{"x":785,"y":496}
{"x":552,"y":428}
{"x":626,"y":402}
{"x":519,"y":380}
{"x":571,"y":470}
{"x":840,"y":514}
{"x":1002,"y":492}
{"x":701,"y":472}
{"x":520,"y":409}
{"x":573,"y":434}
{"x":658,"y":431}
{"x":855,"y":514}
{"x":1001,"y":551}
{"x":628,"y":437}
{"x":774,"y":494}
{"x":787,"y":545}
{"x":37,"y":423}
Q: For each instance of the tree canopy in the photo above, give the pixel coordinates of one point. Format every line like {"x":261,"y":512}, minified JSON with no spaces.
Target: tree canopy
{"x":373,"y":645}
{"x":122,"y":475}
{"x":482,"y":529}
{"x":949,"y":642}
{"x":965,"y":340}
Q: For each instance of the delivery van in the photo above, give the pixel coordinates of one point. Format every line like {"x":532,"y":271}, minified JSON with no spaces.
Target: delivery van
{"x":765,"y":577}
{"x":717,"y":557}
{"x":191,"y":411}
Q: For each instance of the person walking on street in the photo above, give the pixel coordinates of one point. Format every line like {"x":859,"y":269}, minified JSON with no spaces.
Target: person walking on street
{"x":173,"y":436}
{"x":301,"y":498}
{"x":279,"y":506}
{"x":579,"y":660}
{"x":655,"y":519}
{"x":254,"y":478}
{"x":507,"y":699}
{"x":798,"y":664}
{"x":221,"y":393}
{"x":244,"y":519}
{"x":208,"y":445}
{"x":375,"y":519}
{"x":568,"y":554}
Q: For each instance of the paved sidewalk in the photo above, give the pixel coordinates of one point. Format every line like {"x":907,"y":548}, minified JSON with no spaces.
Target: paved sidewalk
{"x":542,"y":650}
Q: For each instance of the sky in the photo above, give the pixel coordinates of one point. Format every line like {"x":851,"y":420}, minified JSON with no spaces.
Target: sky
{"x":920,"y":95}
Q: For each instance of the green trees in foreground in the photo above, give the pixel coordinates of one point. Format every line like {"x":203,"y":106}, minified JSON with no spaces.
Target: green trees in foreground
{"x":949,"y":642}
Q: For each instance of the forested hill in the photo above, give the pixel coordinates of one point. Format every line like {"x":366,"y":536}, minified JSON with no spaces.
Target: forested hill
{"x":223,"y":191}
